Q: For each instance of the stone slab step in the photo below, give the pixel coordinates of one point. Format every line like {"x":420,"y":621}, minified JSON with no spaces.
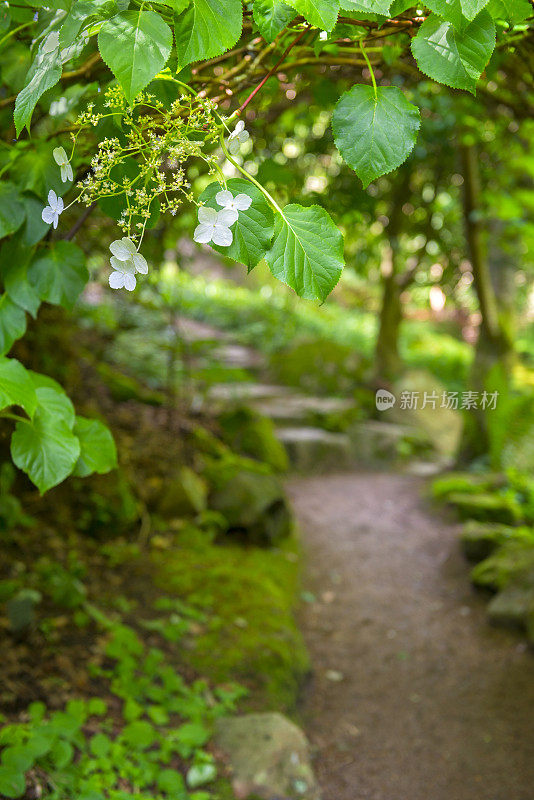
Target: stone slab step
{"x":313,"y":450}
{"x":294,"y":409}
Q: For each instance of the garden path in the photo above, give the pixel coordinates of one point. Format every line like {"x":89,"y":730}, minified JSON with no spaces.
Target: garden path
{"x":413,"y":696}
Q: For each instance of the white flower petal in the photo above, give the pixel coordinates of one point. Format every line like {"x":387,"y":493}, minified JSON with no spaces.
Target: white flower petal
{"x":203,"y":233}
{"x":56,"y":220}
{"x":222,"y":235}
{"x":116,"y":280}
{"x":242,"y":202}
{"x":129,"y":245}
{"x":140,"y":263}
{"x":59,"y":206}
{"x":239,"y":127}
{"x":227,"y":217}
{"x":207,"y":215}
{"x":60,"y":156}
{"x":129,"y":282}
{"x":52,"y":198}
{"x":122,"y":266}
{"x":224,"y":197}
{"x":233,"y":146}
{"x":119,"y":250}
{"x":243,"y":136}
{"x":48,"y":215}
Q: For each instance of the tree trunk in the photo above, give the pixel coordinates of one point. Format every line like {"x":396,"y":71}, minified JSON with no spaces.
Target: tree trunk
{"x":387,"y":358}
{"x":494,"y":351}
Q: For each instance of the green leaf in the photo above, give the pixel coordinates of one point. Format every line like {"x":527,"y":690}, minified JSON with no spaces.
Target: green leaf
{"x":60,"y":274}
{"x":373,"y":6}
{"x":18,"y":757}
{"x":271,"y":17}
{"x":307,"y":252}
{"x":253,"y":230}
{"x":35,"y":229}
{"x":12,"y":323}
{"x":374,"y":133}
{"x":320,"y":13}
{"x":12,"y":782}
{"x":45,"y":449}
{"x":97,"y":448}
{"x":79,"y":14}
{"x":452,"y":57}
{"x":15,"y":256}
{"x":471,"y":8}
{"x":513,"y":11}
{"x":44,"y":73}
{"x":53,"y":400}
{"x":16,"y":386}
{"x":135,"y":45}
{"x":11,"y":209}
{"x":139,"y":734}
{"x":61,"y":754}
{"x":450,"y":10}
{"x":207,"y":29}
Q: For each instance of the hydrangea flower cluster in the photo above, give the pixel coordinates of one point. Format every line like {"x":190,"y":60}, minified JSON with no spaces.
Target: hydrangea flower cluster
{"x":214,"y":226}
{"x":125,"y":261}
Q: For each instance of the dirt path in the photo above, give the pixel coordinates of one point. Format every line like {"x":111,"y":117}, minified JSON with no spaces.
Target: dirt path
{"x":414,"y":695}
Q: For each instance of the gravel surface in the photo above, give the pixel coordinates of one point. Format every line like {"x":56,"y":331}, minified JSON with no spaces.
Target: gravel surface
{"x":413,"y":696}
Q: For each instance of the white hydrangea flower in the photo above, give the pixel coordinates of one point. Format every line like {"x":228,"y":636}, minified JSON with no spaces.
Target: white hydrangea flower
{"x":50,"y":213}
{"x":60,"y":157}
{"x":238,"y":137}
{"x":125,"y":262}
{"x":215,"y":226}
{"x":241,"y":202}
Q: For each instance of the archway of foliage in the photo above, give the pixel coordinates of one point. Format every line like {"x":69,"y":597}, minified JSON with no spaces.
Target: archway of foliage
{"x":108,"y":103}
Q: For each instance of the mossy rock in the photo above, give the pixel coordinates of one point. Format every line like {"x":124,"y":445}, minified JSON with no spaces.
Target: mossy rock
{"x":249,"y":595}
{"x":183,"y":495}
{"x":486,"y":507}
{"x":465,"y":483}
{"x":511,"y":607}
{"x":512,"y":563}
{"x":254,"y":505}
{"x":480,"y":539}
{"x":252,"y":434}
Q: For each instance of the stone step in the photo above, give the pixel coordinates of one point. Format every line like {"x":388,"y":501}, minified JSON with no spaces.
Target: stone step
{"x":316,"y":450}
{"x":296,"y":410}
{"x":229,"y":395}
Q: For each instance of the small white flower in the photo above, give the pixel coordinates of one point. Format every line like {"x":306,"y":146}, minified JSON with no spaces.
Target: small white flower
{"x":125,"y":261}
{"x":241,"y":202}
{"x":238,"y":136}
{"x":215,"y":226}
{"x":51,"y":212}
{"x":60,"y":157}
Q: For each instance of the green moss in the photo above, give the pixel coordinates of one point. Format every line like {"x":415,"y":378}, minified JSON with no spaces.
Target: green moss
{"x":487,"y":507}
{"x":465,"y":483}
{"x":250,"y":596}
{"x":251,"y":434}
{"x":480,"y":539}
{"x":509,"y":564}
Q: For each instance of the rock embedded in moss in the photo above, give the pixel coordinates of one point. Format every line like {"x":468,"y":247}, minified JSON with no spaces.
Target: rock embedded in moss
{"x":510,"y":608}
{"x":269,"y":757}
{"x":512,"y":563}
{"x":253,"y":435}
{"x":183,"y":495}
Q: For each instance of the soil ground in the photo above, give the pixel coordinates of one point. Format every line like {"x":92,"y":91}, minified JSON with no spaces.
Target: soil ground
{"x":413,"y":695}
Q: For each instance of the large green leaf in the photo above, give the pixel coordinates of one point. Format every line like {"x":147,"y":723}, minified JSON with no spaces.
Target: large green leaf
{"x":307,"y":251}
{"x":207,"y":29}
{"x":12,"y":212}
{"x":372,"y":6}
{"x":12,"y":323}
{"x":450,"y":10}
{"x":79,"y":15}
{"x":374,"y":133}
{"x":45,"y":449}
{"x":16,"y":386}
{"x":271,"y":17}
{"x":44,"y":73}
{"x":471,"y":8}
{"x":53,"y":400}
{"x":15,"y":256}
{"x":98,"y":452}
{"x":455,"y":58}
{"x":513,"y":11}
{"x":60,"y":274}
{"x":320,"y":13}
{"x":12,"y":782}
{"x":253,"y":230}
{"x":135,"y":45}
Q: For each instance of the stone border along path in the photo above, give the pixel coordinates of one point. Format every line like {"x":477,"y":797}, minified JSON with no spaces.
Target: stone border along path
{"x":413,"y":695}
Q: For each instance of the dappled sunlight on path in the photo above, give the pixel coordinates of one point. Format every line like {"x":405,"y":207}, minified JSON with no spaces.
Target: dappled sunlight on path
{"x":414,"y":696}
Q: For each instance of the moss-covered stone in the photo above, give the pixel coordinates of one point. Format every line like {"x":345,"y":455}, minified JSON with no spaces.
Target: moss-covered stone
{"x":183,"y":495}
{"x":252,"y":434}
{"x":514,"y":562}
{"x":510,"y":608}
{"x":480,"y":539}
{"x":249,"y":595}
{"x":465,"y":483}
{"x":487,"y":507}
